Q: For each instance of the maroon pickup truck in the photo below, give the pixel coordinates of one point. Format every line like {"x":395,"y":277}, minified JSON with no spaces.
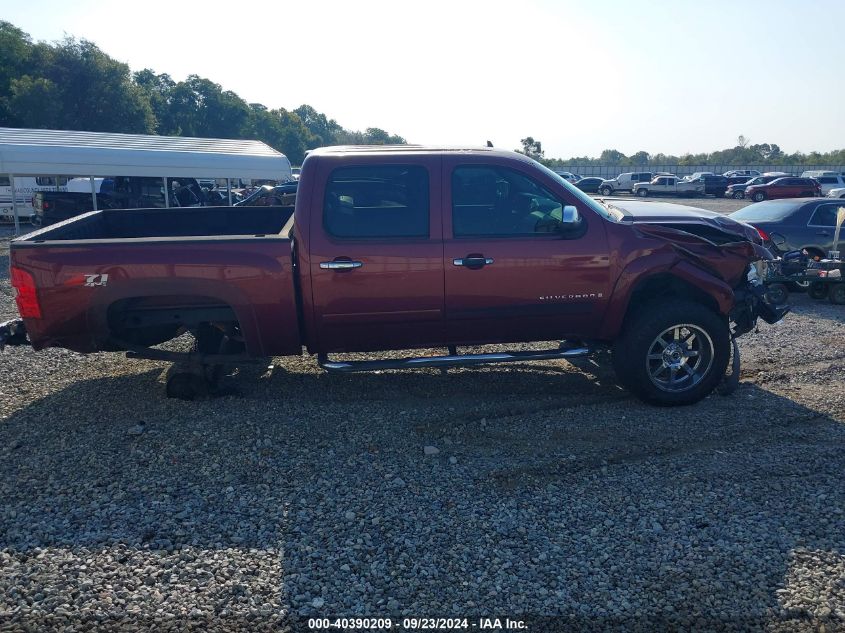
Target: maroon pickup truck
{"x":398,"y":248}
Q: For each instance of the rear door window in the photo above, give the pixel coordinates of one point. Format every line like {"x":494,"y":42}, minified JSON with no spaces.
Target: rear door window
{"x":377,"y":201}
{"x":824,"y":215}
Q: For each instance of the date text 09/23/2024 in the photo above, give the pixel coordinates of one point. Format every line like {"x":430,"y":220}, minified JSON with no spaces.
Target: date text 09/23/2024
{"x":481,"y":624}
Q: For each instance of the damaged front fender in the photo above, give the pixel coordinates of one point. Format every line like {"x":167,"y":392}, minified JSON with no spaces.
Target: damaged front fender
{"x":705,"y":258}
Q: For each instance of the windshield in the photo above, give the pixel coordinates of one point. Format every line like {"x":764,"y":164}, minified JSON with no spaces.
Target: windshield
{"x":577,"y":193}
{"x":772,"y":211}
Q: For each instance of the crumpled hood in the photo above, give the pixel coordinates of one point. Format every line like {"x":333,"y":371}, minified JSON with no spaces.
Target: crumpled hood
{"x":684,"y":217}
{"x":713,"y":241}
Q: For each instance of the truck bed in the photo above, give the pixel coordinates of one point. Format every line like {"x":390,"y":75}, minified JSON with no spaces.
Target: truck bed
{"x":89,"y":272}
{"x":122,"y":224}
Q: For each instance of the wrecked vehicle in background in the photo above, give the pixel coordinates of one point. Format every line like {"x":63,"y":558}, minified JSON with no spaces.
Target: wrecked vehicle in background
{"x":397,"y":248}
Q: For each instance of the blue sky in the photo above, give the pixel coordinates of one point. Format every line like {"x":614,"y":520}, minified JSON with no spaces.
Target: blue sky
{"x":580,"y":77}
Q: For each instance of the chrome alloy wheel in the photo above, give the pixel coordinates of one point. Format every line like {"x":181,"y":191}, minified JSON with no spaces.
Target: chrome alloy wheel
{"x":679,"y":358}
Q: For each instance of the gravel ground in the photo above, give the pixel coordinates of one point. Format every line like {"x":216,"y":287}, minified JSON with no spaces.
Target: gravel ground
{"x":524,"y":490}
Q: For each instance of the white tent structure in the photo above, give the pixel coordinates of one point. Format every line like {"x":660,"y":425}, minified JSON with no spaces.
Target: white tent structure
{"x":25,"y":152}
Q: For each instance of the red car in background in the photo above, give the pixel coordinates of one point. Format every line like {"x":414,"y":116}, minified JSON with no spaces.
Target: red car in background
{"x":786,"y":187}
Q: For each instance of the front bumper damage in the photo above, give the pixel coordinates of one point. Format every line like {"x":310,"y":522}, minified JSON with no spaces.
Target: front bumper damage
{"x":751,"y":303}
{"x":13,"y":333}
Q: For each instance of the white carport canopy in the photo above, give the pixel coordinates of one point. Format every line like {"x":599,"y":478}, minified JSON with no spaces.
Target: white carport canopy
{"x":72,"y":153}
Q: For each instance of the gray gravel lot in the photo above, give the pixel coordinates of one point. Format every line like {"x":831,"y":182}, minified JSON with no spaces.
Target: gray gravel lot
{"x":552,"y":492}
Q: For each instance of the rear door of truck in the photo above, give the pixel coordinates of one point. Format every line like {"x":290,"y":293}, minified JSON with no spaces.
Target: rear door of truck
{"x":376,"y":253}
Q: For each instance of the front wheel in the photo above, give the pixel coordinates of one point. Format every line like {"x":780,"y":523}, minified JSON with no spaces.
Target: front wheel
{"x":605,"y":191}
{"x":758,"y":197}
{"x":738,"y":195}
{"x":672,"y":353}
{"x":642,"y":193}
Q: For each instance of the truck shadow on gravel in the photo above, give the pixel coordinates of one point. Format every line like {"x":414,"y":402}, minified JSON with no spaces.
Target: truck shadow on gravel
{"x":548,"y":492}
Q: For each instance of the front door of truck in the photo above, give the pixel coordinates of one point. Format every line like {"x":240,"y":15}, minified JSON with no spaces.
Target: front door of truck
{"x":511,"y":273}
{"x":376,"y":255}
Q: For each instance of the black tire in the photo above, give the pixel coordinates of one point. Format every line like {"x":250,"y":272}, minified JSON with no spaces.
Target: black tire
{"x":606,"y":191}
{"x":642,"y":193}
{"x":836,"y":294}
{"x":738,"y":195}
{"x":817,"y":290}
{"x":758,"y":197}
{"x":777,"y":294}
{"x":640,"y":374}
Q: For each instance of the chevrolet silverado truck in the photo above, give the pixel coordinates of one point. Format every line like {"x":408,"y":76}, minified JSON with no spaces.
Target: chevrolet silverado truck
{"x":668,"y":185}
{"x":403,"y":248}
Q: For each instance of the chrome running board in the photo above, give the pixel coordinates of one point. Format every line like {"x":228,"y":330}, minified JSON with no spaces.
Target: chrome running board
{"x":452,"y":360}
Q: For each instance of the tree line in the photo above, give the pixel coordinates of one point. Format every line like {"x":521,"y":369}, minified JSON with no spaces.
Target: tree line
{"x":744,"y":153}
{"x":73,"y":85}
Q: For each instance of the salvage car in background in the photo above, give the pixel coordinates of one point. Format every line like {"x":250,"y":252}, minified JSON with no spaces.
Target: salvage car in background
{"x":806,"y":223}
{"x":568,"y":176}
{"x":713,"y":185}
{"x":737,"y":190}
{"x":590,"y":184}
{"x":669,"y":185}
{"x":747,"y":173}
{"x":787,"y":187}
{"x":624,"y":182}
{"x":836,"y":193}
{"x":829,"y":182}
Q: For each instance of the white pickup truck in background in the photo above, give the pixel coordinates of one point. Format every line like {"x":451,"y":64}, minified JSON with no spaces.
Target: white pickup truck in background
{"x":668,"y":185}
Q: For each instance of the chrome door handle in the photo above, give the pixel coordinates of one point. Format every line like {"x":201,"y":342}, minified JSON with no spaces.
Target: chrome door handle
{"x":473,"y":262}
{"x":341,"y":264}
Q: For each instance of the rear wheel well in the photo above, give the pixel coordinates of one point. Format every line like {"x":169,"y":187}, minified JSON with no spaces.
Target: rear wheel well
{"x":148,"y":321}
{"x":663,"y":287}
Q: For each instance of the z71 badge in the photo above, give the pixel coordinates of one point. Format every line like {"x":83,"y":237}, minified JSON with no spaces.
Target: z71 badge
{"x":96,"y":280}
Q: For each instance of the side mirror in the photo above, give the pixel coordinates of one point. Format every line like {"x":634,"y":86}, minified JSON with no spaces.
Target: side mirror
{"x":570,"y":216}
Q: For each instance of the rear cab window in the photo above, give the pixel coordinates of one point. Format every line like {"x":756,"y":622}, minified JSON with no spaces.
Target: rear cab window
{"x":377,"y":201}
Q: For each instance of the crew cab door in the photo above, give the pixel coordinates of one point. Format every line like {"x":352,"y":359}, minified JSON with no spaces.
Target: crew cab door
{"x":511,"y":275}
{"x":376,"y":254}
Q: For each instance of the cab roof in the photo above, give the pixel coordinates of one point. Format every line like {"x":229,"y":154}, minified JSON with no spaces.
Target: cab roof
{"x":351,"y":150}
